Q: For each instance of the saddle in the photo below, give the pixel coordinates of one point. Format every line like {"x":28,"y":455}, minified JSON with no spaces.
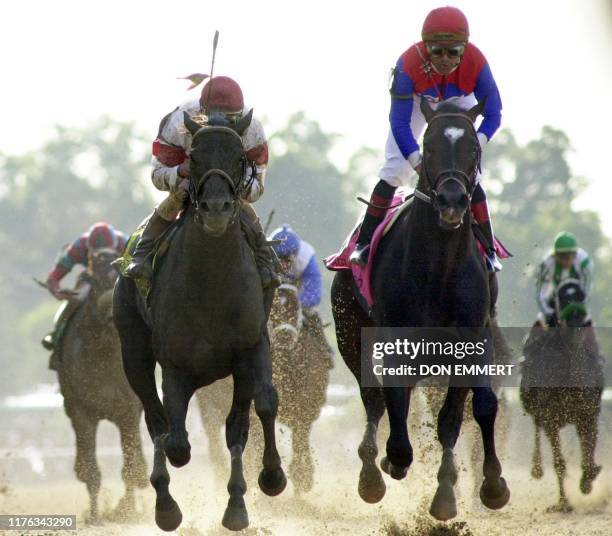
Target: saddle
{"x":160,"y":249}
{"x":402,"y":201}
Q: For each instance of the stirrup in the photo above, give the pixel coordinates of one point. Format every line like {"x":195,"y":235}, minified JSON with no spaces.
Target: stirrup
{"x":493,"y":264}
{"x":47,"y":342}
{"x":139,"y":269}
{"x":360,"y":255}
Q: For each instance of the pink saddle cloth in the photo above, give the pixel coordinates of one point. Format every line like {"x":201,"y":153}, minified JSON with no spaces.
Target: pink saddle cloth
{"x":362,"y":274}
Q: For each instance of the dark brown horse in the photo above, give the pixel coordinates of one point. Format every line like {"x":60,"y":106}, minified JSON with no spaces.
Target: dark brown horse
{"x":94,"y":386}
{"x":562,"y":384}
{"x":206,"y":320}
{"x":301,"y":374}
{"x":427,"y":272}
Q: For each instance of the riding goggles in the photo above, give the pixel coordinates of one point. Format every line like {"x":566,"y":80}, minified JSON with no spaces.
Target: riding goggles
{"x":451,"y":52}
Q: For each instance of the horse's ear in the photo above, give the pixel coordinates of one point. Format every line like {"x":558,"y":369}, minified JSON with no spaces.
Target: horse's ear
{"x":244,"y":123}
{"x":191,"y":125}
{"x":477,"y":110}
{"x":427,"y":110}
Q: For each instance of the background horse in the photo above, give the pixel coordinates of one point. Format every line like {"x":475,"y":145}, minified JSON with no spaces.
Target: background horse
{"x":562,"y":384}
{"x":427,"y":272}
{"x":206,"y":321}
{"x":301,"y":374}
{"x":94,"y":386}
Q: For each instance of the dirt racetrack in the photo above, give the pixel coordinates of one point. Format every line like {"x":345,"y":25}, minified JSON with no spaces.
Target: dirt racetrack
{"x":43,"y":483}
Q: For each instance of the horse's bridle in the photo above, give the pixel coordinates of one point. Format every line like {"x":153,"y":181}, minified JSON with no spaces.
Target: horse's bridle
{"x":452,"y":174}
{"x":237,"y":187}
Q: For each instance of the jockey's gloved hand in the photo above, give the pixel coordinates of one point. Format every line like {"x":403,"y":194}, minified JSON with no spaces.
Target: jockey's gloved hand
{"x":183,"y":170}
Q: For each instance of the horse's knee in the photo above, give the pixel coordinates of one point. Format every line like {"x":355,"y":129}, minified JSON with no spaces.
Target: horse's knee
{"x":87,"y":471}
{"x":484,"y":404}
{"x":266,"y":401}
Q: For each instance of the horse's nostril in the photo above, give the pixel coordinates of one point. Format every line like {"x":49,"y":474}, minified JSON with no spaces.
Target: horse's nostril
{"x":205,"y":207}
{"x":227,"y":206}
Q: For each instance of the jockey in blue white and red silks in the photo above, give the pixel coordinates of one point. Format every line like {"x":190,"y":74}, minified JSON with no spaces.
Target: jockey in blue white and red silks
{"x":301,"y":268}
{"x":101,"y":235}
{"x":443,"y":66}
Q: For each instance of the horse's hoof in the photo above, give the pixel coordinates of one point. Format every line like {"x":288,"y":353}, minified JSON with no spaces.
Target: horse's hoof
{"x":588,"y":476}
{"x":178,"y":453}
{"x":235,"y":518}
{"x":395,"y":472}
{"x":273,"y":484}
{"x":372,"y":486}
{"x":537,"y":472}
{"x":444,"y":506}
{"x":495,"y":497}
{"x":169,"y":520}
{"x":562,"y":507}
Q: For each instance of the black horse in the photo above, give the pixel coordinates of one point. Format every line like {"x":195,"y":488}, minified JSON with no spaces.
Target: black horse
{"x":427,"y":272}
{"x":206,"y":321}
{"x":94,"y":387}
{"x":562,"y":384}
{"x":301,"y":375}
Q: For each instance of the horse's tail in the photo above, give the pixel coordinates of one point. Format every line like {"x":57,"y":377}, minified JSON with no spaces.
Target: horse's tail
{"x":536,"y":462}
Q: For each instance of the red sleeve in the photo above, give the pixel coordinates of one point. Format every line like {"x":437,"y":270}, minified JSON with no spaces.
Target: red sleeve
{"x":57,"y":273}
{"x":258,"y":154}
{"x":167,"y":154}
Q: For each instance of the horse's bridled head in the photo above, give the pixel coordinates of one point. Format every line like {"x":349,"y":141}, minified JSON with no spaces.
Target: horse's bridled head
{"x":100,"y":265}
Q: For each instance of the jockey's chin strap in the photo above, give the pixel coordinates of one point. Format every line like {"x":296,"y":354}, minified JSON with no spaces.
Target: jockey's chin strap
{"x":466,"y":181}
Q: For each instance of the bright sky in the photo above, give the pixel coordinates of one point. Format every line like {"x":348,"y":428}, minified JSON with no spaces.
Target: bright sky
{"x":70,"y":61}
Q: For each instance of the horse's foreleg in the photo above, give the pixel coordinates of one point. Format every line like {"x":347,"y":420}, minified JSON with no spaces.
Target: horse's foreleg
{"x":168,"y":515}
{"x":85,"y":464}
{"x":178,"y":390}
{"x":371,"y":483}
{"x":134,"y":468}
{"x":494,"y":492}
{"x":302,"y":467}
{"x":444,"y":505}
{"x":272,"y":480}
{"x":399,"y":450}
{"x":537,"y":470}
{"x":560,"y":468}
{"x":587,"y":432}
{"x":236,"y":435}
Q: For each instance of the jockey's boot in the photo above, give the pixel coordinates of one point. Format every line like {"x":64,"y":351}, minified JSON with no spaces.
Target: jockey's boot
{"x":314,"y":325}
{"x":480,"y":211}
{"x":493,"y":264}
{"x":52,"y":339}
{"x":142,"y":260}
{"x":379,"y":203}
{"x":265,"y":257}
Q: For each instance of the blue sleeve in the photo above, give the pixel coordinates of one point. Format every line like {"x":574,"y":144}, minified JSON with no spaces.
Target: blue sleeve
{"x":486,"y":87}
{"x":311,"y":284}
{"x":75,"y":253}
{"x":400,"y":115}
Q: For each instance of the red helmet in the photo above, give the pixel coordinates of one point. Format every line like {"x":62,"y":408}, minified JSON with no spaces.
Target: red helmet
{"x":445,"y":24}
{"x":101,"y":235}
{"x":225,"y":95}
